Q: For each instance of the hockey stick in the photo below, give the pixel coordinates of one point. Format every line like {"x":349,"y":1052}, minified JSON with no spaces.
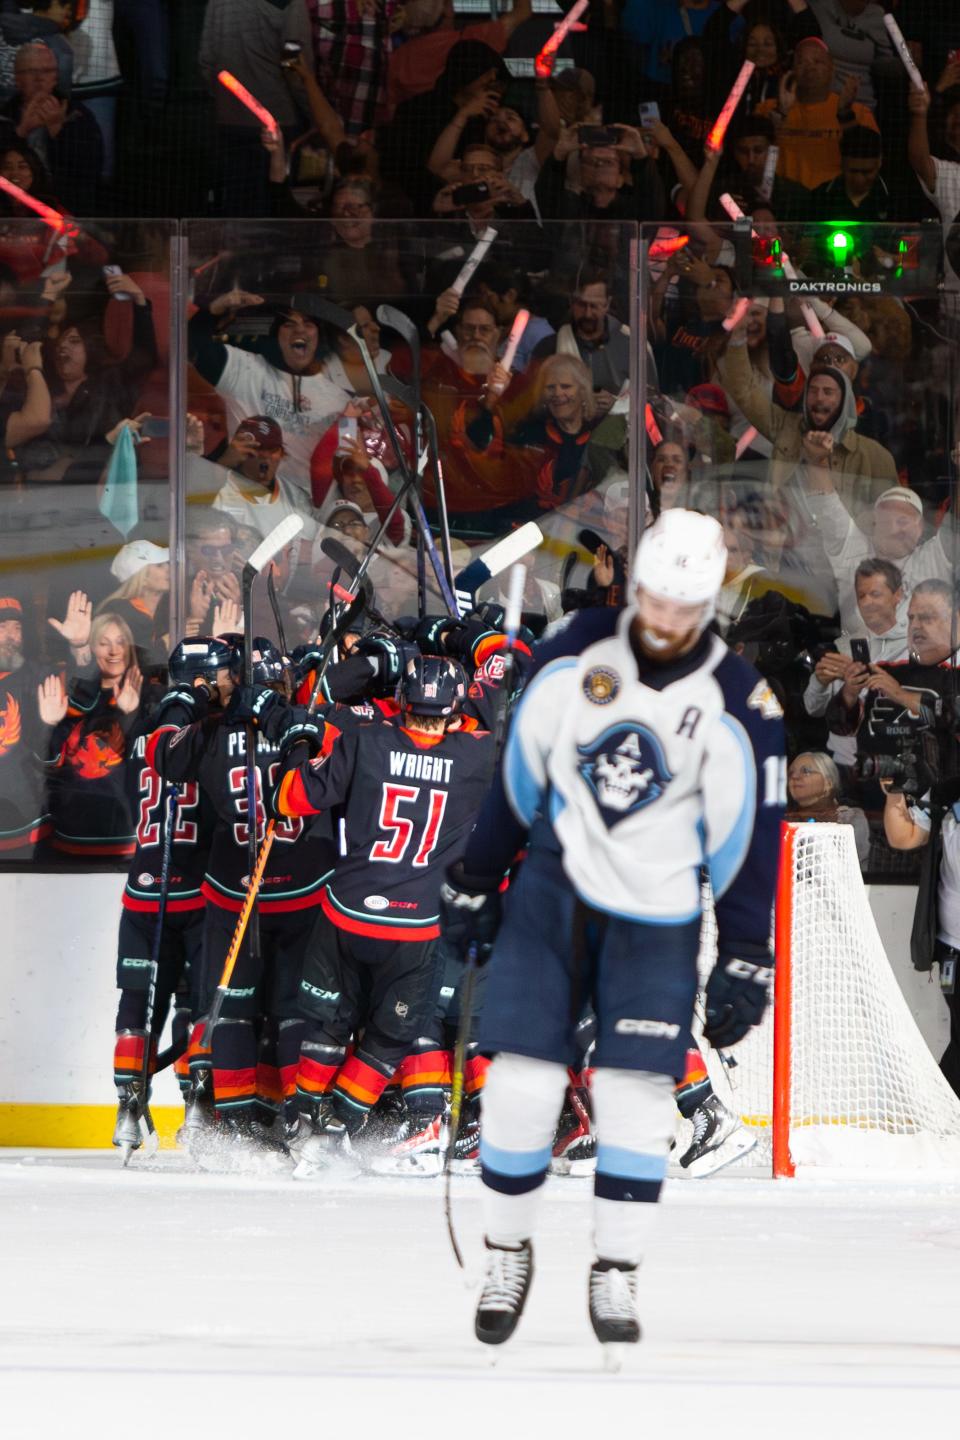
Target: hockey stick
{"x":514,"y":602}
{"x":343,"y":320}
{"x":275,"y":607}
{"x":457,"y":1089}
{"x":505,"y":552}
{"x":256,"y":876}
{"x":398,"y":320}
{"x":347,"y":561}
{"x":279,"y":536}
{"x":141,"y":1098}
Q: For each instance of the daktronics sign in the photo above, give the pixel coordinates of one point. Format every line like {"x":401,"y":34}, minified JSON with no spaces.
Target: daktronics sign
{"x":834,"y":287}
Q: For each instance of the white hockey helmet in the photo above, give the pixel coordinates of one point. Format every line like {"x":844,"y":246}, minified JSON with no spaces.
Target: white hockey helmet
{"x":683,"y":557}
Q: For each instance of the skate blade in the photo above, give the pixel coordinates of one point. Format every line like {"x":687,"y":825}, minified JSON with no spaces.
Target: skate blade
{"x":417,"y":1167}
{"x":126,"y":1150}
{"x":740,"y":1143}
{"x":151,"y":1143}
{"x":339,"y":1168}
{"x":464,"y":1167}
{"x":614,"y":1354}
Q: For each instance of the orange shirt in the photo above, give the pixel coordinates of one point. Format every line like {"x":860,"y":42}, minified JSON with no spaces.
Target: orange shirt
{"x":809,"y":141}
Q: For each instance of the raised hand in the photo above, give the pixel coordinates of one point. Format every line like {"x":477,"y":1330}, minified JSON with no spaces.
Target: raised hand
{"x":235,"y":299}
{"x":128,"y":695}
{"x":75,"y":625}
{"x":51,"y":700}
{"x":227,"y":617}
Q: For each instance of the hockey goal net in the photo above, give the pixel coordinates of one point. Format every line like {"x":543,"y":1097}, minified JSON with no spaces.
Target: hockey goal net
{"x":837,"y":1075}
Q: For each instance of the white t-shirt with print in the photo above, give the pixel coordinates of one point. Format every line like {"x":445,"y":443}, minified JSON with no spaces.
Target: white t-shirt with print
{"x":304,"y":406}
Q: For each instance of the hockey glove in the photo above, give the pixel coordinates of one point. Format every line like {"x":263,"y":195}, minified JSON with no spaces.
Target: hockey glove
{"x":737,"y":994}
{"x":263,"y":706}
{"x":183,"y":704}
{"x":430,"y":636}
{"x":301,"y":726}
{"x":470,"y":911}
{"x":391,"y":656}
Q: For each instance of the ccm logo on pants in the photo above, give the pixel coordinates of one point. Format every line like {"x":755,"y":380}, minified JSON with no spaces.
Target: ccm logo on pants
{"x":661,"y":1029}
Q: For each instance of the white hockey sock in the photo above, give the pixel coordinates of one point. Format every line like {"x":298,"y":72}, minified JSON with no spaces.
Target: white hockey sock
{"x":636,"y":1118}
{"x":521,"y":1101}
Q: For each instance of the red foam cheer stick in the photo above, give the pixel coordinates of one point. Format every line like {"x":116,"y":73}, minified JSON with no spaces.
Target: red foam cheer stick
{"x":53,"y":218}
{"x":715,"y":137}
{"x":231,"y":83}
{"x":543,"y":64}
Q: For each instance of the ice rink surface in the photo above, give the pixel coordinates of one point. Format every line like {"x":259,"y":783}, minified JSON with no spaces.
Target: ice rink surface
{"x":160,"y":1302}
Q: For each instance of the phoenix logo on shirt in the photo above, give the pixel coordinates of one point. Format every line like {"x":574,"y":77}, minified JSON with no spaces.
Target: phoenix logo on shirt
{"x":94,"y":755}
{"x":625,"y":769}
{"x":9,"y":725}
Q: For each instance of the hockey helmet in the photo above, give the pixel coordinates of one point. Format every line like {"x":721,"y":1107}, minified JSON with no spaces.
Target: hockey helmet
{"x":432,"y":685}
{"x":270,"y":666}
{"x":200,"y":656}
{"x":682,"y":557}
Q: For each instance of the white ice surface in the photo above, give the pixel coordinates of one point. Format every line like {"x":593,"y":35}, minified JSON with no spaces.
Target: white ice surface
{"x":157,"y":1302}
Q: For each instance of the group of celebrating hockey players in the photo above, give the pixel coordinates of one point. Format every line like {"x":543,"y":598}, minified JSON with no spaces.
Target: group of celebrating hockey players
{"x":404,"y":845}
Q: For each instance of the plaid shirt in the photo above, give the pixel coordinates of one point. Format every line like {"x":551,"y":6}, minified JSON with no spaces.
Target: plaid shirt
{"x":351,"y":44}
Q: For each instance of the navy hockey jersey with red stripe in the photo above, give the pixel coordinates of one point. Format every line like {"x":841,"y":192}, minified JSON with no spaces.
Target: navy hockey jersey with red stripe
{"x":409,"y":802}
{"x":213,"y":752}
{"x":192,"y":832}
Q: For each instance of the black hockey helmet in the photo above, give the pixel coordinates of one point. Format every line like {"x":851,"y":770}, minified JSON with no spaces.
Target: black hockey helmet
{"x":200,"y":656}
{"x":270,"y":665}
{"x":433,"y":685}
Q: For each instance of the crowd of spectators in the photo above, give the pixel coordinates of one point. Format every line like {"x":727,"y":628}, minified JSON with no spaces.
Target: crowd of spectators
{"x":813,"y":415}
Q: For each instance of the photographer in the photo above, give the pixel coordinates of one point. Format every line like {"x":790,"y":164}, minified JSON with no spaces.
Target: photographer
{"x":889,"y":706}
{"x":880,"y":636}
{"x":908,"y":827}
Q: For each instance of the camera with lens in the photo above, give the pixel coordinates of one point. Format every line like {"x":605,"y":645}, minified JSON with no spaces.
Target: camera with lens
{"x":908,"y":757}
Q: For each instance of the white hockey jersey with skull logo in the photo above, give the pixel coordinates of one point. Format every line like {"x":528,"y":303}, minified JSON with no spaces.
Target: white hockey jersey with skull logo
{"x":645,"y":779}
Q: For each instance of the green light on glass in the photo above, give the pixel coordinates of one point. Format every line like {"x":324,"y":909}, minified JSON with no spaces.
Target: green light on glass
{"x":841,"y":244}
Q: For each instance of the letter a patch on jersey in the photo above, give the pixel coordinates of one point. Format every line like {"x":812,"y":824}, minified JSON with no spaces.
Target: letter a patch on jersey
{"x":625,"y":770}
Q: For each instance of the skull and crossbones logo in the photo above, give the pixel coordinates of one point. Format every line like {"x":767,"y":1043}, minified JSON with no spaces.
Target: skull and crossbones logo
{"x":625,"y":770}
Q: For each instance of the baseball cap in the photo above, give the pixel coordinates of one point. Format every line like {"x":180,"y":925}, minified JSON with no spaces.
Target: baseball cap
{"x":350,"y":508}
{"x":130,"y":560}
{"x":710,"y":399}
{"x":843,"y":342}
{"x":265,"y":431}
{"x":901,"y":492}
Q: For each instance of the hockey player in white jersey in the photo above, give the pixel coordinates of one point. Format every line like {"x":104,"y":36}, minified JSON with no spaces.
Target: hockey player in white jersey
{"x":642,"y":750}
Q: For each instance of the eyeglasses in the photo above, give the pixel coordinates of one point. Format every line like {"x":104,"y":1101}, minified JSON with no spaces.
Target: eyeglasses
{"x":596,"y":163}
{"x":803,"y":770}
{"x":210,"y":552}
{"x":353,"y":212}
{"x":354,"y":523}
{"x":479,"y":332}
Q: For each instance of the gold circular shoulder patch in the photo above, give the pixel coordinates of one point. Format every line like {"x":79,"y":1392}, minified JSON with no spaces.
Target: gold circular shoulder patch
{"x":601,"y":685}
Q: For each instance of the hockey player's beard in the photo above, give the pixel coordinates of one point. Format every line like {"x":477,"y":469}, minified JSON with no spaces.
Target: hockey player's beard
{"x":661,"y":649}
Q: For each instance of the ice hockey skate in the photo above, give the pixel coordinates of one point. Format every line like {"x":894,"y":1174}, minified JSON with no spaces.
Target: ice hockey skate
{"x":613,"y":1303}
{"x":575,"y":1148}
{"x":126,"y":1131}
{"x":240,"y":1145}
{"x":466,"y":1150}
{"x":325,"y":1150}
{"x":719,"y":1138}
{"x":506,"y":1281}
{"x":418,"y":1148}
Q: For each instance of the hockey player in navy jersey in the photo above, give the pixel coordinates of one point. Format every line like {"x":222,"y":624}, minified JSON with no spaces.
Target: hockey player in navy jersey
{"x":255,"y":1047}
{"x":409,"y":788}
{"x":641,"y":751}
{"x":178,"y":948}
